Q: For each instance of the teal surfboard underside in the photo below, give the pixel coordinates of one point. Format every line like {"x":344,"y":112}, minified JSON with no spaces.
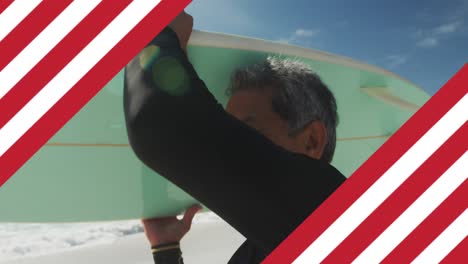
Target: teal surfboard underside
{"x":87,"y":172}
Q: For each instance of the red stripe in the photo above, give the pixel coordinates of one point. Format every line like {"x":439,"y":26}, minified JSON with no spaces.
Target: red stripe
{"x":400,"y":200}
{"x":431,"y":227}
{"x":458,"y":254}
{"x":58,"y":58}
{"x":88,"y":86}
{"x":4,"y":5}
{"x":371,"y":170}
{"x":29,"y":28}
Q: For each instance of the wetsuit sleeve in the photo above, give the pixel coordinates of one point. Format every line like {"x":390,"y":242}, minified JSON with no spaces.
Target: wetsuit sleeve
{"x":177,"y":128}
{"x":167,"y":254}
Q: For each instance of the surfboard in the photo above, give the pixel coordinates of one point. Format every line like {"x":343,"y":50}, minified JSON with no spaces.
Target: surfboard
{"x":87,"y":171}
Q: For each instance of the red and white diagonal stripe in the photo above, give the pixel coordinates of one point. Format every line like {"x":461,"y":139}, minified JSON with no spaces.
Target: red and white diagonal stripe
{"x":56,"y":55}
{"x":408,"y":202}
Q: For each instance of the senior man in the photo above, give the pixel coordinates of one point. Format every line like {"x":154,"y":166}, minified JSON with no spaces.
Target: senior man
{"x":263,"y":164}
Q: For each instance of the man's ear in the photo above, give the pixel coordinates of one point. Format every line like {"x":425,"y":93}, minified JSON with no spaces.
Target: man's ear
{"x":315,"y":139}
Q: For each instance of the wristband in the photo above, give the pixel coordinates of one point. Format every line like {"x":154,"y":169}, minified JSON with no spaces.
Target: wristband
{"x":164,"y":247}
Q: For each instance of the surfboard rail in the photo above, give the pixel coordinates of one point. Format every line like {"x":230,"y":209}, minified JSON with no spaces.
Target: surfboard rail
{"x":228,"y":41}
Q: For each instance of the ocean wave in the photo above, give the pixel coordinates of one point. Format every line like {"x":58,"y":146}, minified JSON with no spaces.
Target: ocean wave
{"x":26,"y":240}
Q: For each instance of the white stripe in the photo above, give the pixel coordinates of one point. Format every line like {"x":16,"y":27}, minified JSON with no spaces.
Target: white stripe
{"x":416,"y":213}
{"x":445,"y":242}
{"x":74,"y":71}
{"x":14,"y":14}
{"x":44,"y":42}
{"x":386,"y":184}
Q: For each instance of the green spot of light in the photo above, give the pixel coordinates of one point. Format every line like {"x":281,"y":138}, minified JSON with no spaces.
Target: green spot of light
{"x":170,"y":76}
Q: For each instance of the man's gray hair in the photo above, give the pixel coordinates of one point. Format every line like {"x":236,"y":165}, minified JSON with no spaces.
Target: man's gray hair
{"x":299,"y":95}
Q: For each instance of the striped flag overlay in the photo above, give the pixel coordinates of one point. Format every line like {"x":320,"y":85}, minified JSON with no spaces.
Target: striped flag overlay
{"x":407,"y":204}
{"x":56,"y":55}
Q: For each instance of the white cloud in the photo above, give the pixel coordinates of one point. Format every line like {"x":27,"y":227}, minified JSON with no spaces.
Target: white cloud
{"x":431,"y":37}
{"x":448,"y":28}
{"x":306,"y":32}
{"x":428,"y":42}
{"x":395,"y":60}
{"x":299,"y":35}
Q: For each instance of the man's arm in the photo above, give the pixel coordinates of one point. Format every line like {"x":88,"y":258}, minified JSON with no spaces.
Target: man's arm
{"x":164,"y":235}
{"x":177,"y":128}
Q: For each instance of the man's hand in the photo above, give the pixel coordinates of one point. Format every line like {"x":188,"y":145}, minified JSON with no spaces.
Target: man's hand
{"x":169,"y":229}
{"x":183,"y":26}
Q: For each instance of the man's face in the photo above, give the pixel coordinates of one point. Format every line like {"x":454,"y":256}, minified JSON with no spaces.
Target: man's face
{"x":254,"y":108}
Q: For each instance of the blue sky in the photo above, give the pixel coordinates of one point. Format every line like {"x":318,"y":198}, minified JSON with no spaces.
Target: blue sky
{"x":423,"y":41}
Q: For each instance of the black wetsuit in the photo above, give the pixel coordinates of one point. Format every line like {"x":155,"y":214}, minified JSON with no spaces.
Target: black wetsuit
{"x":177,"y":128}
